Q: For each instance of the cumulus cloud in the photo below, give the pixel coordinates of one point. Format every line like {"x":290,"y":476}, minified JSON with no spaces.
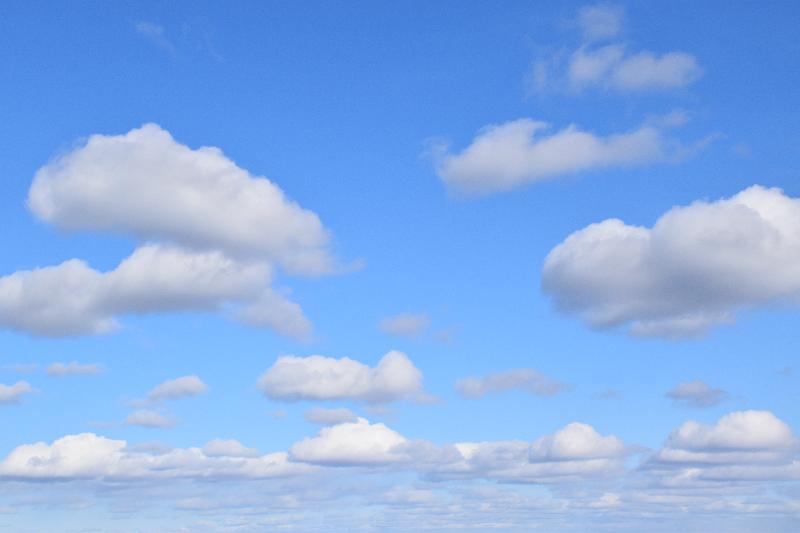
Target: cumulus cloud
{"x":181,"y":387}
{"x":576,"y":441}
{"x":73,"y":368}
{"x":693,"y":269}
{"x":228,"y":448}
{"x":612,"y":66}
{"x":211,"y":235}
{"x":405,"y":325}
{"x":512,"y":154}
{"x":149,"y":419}
{"x":324,"y":378}
{"x":696,"y":394}
{"x":13,"y":393}
{"x":329,"y":417}
{"x":350,"y":444}
{"x":526,"y":379}
{"x":91,"y":456}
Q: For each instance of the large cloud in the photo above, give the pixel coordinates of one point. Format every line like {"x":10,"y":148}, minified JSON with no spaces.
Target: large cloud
{"x":211,"y":235}
{"x":693,"y":269}
{"x":145,"y":183}
{"x":512,"y":154}
{"x":324,"y":378}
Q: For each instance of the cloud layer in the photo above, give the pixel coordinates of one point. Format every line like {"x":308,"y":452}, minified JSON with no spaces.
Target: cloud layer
{"x":695,"y":268}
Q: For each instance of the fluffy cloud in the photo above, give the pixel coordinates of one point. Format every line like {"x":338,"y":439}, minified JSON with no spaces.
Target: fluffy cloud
{"x":178,"y":388}
{"x":351,"y":444}
{"x":147,"y":184}
{"x":228,"y":448}
{"x":525,"y":379}
{"x":693,"y":269}
{"x":94,"y":457}
{"x":612,"y":67}
{"x":696,"y":394}
{"x":324,"y":378}
{"x":149,"y":419}
{"x":405,"y":325}
{"x":327,"y":417}
{"x":13,"y":393}
{"x":73,"y":368}
{"x":212,"y":236}
{"x":576,"y":441}
{"x":512,"y":154}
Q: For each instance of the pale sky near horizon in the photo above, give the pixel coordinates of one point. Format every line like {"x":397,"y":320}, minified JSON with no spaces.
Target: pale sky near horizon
{"x":410,"y":266}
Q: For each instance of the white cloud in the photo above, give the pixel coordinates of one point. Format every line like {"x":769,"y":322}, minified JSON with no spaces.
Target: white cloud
{"x":526,"y":379}
{"x":693,"y":269}
{"x":405,"y":325}
{"x":155,"y":34}
{"x":696,"y":394}
{"x":149,"y":419}
{"x":228,"y":448}
{"x":509,"y":155}
{"x":13,"y":393}
{"x":210,"y":236}
{"x":351,"y":444}
{"x":145,"y":183}
{"x":327,"y":417}
{"x":91,"y":456}
{"x":611,"y":66}
{"x":73,"y":368}
{"x":741,"y":430}
{"x":600,"y":21}
{"x":324,"y":378}
{"x":181,"y":387}
{"x":576,"y":441}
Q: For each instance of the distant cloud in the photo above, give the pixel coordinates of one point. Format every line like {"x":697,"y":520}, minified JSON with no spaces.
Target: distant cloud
{"x":509,"y":155}
{"x":329,"y":417}
{"x":696,"y":394}
{"x":351,"y":443}
{"x":694,"y":269}
{"x":149,"y":419}
{"x":178,"y":388}
{"x":13,"y":393}
{"x":524,"y":379}
{"x":228,"y":448}
{"x":324,"y":378}
{"x":405,"y":325}
{"x":73,"y":368}
{"x":612,"y":66}
{"x":22,"y":368}
{"x":156,"y":35}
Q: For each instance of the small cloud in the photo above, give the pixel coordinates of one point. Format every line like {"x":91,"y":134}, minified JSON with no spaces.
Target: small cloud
{"x":608,"y":394}
{"x":13,"y":393}
{"x":696,"y":394}
{"x":156,"y":35}
{"x":405,"y":325}
{"x":178,"y":388}
{"x":148,"y":419}
{"x":73,"y":368}
{"x":329,"y":417}
{"x":22,"y":368}
{"x":525,"y":379}
{"x":600,"y":21}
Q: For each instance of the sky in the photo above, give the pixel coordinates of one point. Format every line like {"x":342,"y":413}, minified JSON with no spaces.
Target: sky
{"x":413,"y":266}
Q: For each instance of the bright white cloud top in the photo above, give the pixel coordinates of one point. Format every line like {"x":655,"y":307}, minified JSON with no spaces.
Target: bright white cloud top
{"x":695,"y":268}
{"x":317,"y":377}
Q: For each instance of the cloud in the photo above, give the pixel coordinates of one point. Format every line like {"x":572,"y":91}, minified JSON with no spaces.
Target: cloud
{"x":73,"y":368}
{"x":149,"y":419}
{"x":211,"y":236}
{"x":405,"y":325}
{"x":611,"y":66}
{"x":324,"y":378}
{"x":696,"y":394}
{"x":576,"y":441}
{"x":600,"y":21}
{"x":228,"y":448}
{"x":513,"y":154}
{"x":181,"y":387}
{"x":695,"y":268}
{"x":13,"y":393}
{"x":155,"y":34}
{"x":146,"y":184}
{"x":328,"y":417}
{"x":525,"y":379}
{"x":351,"y":444}
{"x":89,"y":456}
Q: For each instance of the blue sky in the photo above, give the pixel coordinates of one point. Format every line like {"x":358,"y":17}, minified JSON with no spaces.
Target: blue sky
{"x":556,"y":242}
